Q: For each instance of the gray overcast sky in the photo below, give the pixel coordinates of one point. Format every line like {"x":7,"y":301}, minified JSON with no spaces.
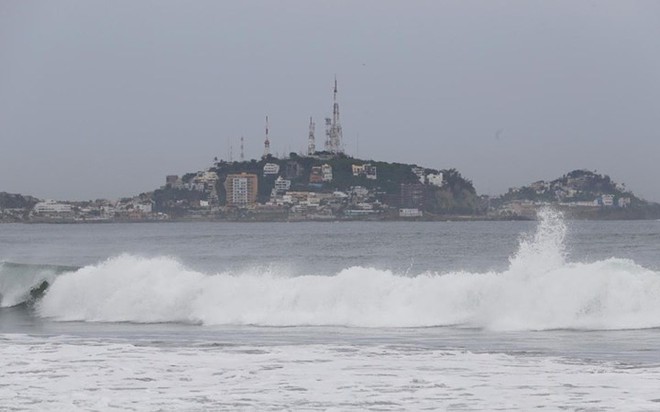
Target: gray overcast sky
{"x":105,"y":98}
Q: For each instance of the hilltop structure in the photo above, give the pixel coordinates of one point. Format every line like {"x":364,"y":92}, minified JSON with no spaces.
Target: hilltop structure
{"x":266,"y":142}
{"x":329,"y":184}
{"x":311,"y":140}
{"x":333,"y":131}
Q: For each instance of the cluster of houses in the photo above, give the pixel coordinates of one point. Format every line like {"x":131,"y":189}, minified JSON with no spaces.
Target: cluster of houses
{"x":579,"y":191}
{"x":297,"y":204}
{"x":287,"y":191}
{"x":139,"y":208}
{"x":210,"y":194}
{"x":289,"y":199}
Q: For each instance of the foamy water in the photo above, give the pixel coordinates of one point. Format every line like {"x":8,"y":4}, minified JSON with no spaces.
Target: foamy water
{"x":67,"y":374}
{"x":540,"y":290}
{"x":411,"y":322}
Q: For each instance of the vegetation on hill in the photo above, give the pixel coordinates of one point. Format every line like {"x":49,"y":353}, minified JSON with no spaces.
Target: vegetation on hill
{"x":586,"y":194}
{"x":369,"y":188}
{"x":16,"y":201}
{"x":576,"y":186}
{"x":456,"y":196}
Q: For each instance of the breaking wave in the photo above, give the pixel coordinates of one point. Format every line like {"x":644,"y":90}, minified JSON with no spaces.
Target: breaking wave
{"x":22,"y":283}
{"x":540,"y":290}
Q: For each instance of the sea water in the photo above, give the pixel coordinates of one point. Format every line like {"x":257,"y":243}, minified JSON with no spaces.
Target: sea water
{"x":331,"y":316}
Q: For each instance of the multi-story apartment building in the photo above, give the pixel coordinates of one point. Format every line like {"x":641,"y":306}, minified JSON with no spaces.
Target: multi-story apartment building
{"x":241,"y":189}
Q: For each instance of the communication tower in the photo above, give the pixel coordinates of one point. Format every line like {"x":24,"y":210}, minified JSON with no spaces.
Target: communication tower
{"x":266,"y":142}
{"x":311,"y":144}
{"x":242,"y":152}
{"x":328,"y":134}
{"x":334,"y":132}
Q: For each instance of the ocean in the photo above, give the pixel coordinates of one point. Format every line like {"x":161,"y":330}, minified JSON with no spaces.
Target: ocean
{"x":554,"y":314}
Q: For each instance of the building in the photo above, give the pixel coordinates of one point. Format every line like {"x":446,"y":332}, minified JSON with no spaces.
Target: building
{"x":420,"y":173}
{"x":271,"y":169}
{"x":282,"y":185}
{"x":412,"y":212}
{"x":316,"y":175}
{"x":52,"y":208}
{"x":608,"y":200}
{"x":326,"y":171}
{"x":145,"y":207}
{"x":206,"y":177}
{"x":370,"y":171}
{"x":623,"y":202}
{"x":435,"y":179}
{"x":366,"y":170}
{"x":241,"y":189}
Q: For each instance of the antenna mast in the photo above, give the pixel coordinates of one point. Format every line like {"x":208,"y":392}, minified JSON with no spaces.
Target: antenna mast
{"x":266,"y":142}
{"x":311,"y":144}
{"x":328,"y":134}
{"x":334,"y":133}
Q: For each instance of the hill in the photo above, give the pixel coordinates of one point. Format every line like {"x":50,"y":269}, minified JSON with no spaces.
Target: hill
{"x":581,"y":194}
{"x":14,"y":207}
{"x":341,"y":182}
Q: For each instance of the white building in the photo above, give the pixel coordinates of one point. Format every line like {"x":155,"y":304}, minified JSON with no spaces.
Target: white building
{"x":608,"y":200}
{"x":420,"y":173}
{"x":51,"y":207}
{"x":435,"y":179}
{"x":366,"y":170}
{"x":370,"y":171}
{"x":282,"y":185}
{"x":271,"y":169}
{"x":206,"y":177}
{"x":144,"y":207}
{"x":623,"y":202}
{"x":326,"y":171}
{"x":410,"y":213}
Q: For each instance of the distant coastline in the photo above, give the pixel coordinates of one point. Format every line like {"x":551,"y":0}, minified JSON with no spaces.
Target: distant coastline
{"x":337,"y":188}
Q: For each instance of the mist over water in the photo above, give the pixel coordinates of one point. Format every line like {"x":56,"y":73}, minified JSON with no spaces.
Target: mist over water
{"x":539,"y":290}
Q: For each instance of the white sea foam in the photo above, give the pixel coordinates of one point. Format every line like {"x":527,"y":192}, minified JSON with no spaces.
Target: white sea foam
{"x":65,"y":373}
{"x":539,"y":290}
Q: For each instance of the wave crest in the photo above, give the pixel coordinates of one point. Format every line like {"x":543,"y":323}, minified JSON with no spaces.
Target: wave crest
{"x":22,"y":283}
{"x":540,"y":290}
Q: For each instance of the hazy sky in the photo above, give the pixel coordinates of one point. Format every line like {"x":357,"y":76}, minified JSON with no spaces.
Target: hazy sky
{"x":105,"y":98}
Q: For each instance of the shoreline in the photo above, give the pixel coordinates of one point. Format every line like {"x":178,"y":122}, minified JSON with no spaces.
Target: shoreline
{"x":219,"y":221}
